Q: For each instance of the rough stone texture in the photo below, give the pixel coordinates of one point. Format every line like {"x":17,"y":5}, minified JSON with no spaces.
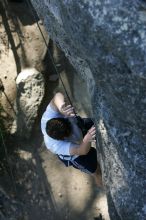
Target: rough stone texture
{"x":9,"y":207}
{"x":105,"y":40}
{"x":30,"y":92}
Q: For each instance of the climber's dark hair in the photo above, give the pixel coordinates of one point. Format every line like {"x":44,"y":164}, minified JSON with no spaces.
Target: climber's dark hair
{"x":59,"y":128}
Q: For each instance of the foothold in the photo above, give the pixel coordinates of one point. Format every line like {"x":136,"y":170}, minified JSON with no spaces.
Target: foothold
{"x":60,"y":194}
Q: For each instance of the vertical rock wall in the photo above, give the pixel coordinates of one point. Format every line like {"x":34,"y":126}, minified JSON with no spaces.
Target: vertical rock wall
{"x":105,"y":40}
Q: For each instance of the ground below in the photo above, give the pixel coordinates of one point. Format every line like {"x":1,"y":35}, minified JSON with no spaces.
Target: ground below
{"x":34,"y":184}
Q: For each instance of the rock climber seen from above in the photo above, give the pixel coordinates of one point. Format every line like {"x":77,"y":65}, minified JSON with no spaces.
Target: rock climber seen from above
{"x":63,"y":136}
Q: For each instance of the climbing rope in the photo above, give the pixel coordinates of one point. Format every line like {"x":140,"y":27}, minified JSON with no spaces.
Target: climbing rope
{"x":49,"y":53}
{"x":52,"y":60}
{"x":2,"y":89}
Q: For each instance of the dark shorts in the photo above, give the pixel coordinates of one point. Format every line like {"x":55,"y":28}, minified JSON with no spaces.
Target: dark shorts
{"x":86,"y":163}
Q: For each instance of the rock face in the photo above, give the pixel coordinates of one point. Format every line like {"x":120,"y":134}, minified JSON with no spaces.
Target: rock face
{"x":105,"y":42}
{"x":30,"y":92}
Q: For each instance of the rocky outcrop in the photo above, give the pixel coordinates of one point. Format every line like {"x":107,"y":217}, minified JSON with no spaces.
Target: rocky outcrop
{"x":30,"y":92}
{"x":105,"y":42}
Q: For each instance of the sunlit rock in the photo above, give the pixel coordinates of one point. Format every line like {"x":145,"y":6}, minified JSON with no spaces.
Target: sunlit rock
{"x":30,"y":92}
{"x":106,"y":43}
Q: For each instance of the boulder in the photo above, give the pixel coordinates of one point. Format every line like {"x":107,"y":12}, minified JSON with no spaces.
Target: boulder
{"x":105,"y":40}
{"x":30,"y":92}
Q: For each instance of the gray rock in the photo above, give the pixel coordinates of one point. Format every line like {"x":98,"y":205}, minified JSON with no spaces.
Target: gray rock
{"x":106,"y":43}
{"x":30,"y":92}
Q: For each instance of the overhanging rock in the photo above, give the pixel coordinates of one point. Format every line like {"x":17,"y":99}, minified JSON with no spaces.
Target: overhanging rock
{"x":105,"y":40}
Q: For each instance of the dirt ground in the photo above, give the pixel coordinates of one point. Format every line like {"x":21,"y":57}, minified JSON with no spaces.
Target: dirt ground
{"x":45,"y":189}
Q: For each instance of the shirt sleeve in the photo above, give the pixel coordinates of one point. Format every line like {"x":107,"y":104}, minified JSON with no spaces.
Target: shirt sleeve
{"x":51,"y":112}
{"x":57,"y":146}
{"x":63,"y":148}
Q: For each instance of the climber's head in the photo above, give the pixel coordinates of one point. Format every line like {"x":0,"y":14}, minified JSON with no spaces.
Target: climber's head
{"x":59,"y":128}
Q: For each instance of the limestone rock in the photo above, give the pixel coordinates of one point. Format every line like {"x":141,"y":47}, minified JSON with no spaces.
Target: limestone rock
{"x":30,"y":92}
{"x":106,"y":43}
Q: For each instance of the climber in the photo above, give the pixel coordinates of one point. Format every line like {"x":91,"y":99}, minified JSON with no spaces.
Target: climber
{"x":62,"y":136}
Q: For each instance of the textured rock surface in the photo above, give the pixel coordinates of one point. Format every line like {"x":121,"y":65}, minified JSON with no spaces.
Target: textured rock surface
{"x":10,"y":207}
{"x":30,"y":92}
{"x":106,"y":43}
